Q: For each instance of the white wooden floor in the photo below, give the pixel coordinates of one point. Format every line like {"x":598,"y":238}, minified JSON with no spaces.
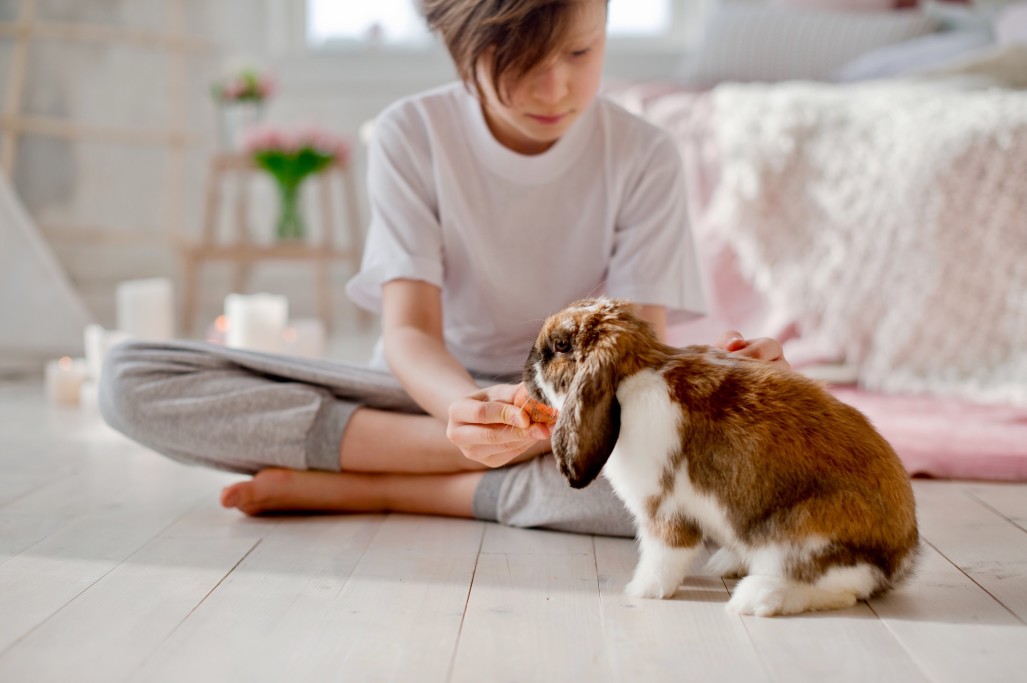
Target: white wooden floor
{"x":118,"y":565}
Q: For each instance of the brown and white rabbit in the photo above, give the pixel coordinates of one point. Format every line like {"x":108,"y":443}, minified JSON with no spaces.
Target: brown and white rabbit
{"x":797,"y":488}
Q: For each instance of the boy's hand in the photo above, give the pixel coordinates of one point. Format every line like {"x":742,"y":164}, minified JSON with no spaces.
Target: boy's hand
{"x":491,"y":427}
{"x":763,"y":348}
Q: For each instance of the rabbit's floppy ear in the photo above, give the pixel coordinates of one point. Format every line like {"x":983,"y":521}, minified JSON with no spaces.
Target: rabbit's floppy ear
{"x":589,"y":422}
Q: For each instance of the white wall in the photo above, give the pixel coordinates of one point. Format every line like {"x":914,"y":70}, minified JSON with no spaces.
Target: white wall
{"x":85,"y":185}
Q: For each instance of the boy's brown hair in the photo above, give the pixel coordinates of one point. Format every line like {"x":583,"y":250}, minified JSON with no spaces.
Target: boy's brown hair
{"x":522,"y":33}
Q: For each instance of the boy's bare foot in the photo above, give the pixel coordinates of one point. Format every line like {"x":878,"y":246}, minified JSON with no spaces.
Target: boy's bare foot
{"x":279,"y":490}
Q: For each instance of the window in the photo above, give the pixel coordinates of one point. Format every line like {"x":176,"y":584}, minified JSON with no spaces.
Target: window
{"x":397,"y":23}
{"x":639,"y":18}
{"x":383,"y":21}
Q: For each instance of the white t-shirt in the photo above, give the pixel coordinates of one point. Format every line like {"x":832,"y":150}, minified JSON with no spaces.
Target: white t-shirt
{"x":510,"y":238}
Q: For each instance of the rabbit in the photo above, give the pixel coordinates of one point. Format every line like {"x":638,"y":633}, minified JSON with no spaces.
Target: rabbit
{"x":803,"y":496}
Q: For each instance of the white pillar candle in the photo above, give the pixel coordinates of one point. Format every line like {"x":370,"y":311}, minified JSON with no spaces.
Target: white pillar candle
{"x":305,"y":337}
{"x":64,"y":380}
{"x":98,"y":342}
{"x":146,"y":308}
{"x":89,"y":395}
{"x":256,"y":321}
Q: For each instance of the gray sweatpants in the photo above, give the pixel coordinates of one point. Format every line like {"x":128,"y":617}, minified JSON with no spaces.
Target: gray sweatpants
{"x":242,"y":411}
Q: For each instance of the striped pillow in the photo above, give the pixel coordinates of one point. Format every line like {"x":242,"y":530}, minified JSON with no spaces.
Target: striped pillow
{"x":746,"y":42}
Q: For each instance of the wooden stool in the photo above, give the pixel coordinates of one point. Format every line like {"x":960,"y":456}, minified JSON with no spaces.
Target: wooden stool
{"x":243,"y":253}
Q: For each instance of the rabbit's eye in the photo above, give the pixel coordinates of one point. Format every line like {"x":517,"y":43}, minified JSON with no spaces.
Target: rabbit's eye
{"x":562,"y":346}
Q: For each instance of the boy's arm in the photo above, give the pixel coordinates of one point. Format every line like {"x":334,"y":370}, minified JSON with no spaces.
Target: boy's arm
{"x":415,"y":350}
{"x":485,"y":424}
{"x":763,"y":348}
{"x":656,"y":316}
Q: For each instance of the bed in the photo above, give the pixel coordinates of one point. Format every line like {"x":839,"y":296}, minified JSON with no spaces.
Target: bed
{"x":878,"y":226}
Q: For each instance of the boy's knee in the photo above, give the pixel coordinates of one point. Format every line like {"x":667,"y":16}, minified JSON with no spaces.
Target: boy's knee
{"x":119,"y":383}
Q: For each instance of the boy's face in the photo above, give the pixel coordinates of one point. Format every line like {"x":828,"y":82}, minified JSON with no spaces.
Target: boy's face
{"x":541,"y":106}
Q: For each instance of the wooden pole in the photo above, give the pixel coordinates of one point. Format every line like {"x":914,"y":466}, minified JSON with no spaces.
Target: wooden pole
{"x":322,"y":270}
{"x":16,"y":88}
{"x":70,"y":130}
{"x":110,"y":35}
{"x":174,"y":188}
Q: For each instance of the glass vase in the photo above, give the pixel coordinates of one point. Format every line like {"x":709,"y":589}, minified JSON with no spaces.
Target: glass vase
{"x":236,"y":119}
{"x":290,"y":219}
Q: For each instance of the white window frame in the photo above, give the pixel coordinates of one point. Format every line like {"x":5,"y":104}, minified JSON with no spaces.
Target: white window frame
{"x":288,"y":35}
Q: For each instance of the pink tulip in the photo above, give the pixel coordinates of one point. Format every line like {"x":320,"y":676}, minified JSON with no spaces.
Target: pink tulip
{"x":269,"y":138}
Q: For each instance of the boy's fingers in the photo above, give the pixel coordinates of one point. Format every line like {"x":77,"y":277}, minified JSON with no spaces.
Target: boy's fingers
{"x":521,"y":396}
{"x":763,"y":349}
{"x":472,"y":435}
{"x":731,"y":341}
{"x":513,"y":416}
{"x":472,"y":411}
{"x":766,"y":349}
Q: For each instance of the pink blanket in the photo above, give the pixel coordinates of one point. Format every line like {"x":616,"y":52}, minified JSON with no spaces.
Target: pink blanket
{"x":935,"y":437}
{"x":947,"y":438}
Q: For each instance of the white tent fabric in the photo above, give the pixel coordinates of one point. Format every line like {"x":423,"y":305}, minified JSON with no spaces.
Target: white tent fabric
{"x":41,"y":314}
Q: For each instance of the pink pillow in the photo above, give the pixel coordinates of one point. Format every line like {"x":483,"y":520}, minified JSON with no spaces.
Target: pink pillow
{"x":1011,"y":25}
{"x":856,"y":5}
{"x":838,"y":5}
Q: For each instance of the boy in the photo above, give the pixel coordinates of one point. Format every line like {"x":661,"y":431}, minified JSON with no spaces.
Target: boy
{"x":495,"y":201}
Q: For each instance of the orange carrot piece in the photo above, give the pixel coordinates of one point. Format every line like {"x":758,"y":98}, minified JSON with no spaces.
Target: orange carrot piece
{"x":540,"y":412}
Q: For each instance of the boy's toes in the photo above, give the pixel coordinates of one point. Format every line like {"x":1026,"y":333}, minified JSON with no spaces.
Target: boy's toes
{"x":230,"y":495}
{"x":240,"y":495}
{"x":268,"y":490}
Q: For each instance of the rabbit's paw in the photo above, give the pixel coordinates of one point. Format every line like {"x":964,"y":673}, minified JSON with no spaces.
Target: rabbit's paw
{"x":767,"y":596}
{"x":763,"y":596}
{"x":725,"y":562}
{"x":653,"y":583}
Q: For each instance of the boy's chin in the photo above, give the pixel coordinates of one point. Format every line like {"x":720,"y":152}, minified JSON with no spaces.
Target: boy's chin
{"x":548,"y":135}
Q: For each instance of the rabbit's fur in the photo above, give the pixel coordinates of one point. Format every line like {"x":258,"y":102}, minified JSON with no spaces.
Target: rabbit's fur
{"x":797,"y":488}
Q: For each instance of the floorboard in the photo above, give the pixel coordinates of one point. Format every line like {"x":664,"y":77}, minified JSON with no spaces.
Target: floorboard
{"x":954,"y":630}
{"x":399,"y":615}
{"x":119,"y":565}
{"x":532,"y":613}
{"x":983,"y":544}
{"x":258,"y":623}
{"x":138,"y":603}
{"x":657,"y":640}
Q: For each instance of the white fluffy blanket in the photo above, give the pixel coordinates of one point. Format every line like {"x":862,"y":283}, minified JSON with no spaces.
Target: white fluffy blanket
{"x":889,"y":220}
